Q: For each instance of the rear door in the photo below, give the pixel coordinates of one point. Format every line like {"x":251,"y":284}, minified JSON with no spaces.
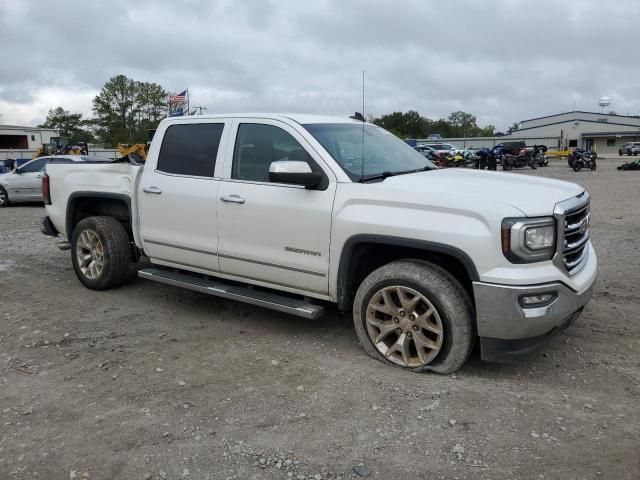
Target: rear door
{"x":271,"y":232}
{"x":178,"y":196}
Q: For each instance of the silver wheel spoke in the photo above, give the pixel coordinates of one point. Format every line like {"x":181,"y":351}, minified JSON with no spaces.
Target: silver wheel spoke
{"x":383,"y":308}
{"x":422,"y":341}
{"x":408,"y":304}
{"x":423,"y":321}
{"x":385,"y":328}
{"x":85,"y":261}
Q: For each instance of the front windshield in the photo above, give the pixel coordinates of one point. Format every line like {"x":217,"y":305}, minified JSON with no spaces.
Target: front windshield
{"x":383,"y":152}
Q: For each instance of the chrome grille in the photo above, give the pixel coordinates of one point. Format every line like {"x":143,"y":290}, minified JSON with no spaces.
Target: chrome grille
{"x":573,"y":223}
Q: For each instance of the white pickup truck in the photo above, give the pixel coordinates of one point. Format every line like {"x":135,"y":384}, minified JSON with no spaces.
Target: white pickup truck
{"x":292,"y":211}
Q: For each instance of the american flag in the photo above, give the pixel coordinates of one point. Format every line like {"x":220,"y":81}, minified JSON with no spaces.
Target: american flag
{"x":178,"y":97}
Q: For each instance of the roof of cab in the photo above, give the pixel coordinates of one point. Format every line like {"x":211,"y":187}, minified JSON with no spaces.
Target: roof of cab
{"x":301,"y":118}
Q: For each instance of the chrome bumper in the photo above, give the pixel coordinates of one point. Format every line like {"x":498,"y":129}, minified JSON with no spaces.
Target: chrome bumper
{"x":508,"y":331}
{"x":500,"y":315}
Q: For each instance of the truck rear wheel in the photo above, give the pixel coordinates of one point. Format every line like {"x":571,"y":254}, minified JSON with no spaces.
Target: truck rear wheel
{"x":100,"y":253}
{"x":415,"y":315}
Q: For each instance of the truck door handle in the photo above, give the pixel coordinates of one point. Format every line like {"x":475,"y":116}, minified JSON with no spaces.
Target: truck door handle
{"x":232,"y":199}
{"x":155,"y":190}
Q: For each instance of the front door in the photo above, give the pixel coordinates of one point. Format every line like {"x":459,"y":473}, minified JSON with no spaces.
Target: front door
{"x":178,"y":195}
{"x":27,"y":185}
{"x":269,"y":232}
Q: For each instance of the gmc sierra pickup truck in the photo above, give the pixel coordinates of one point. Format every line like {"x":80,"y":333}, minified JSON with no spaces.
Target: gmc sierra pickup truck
{"x":290,"y":212}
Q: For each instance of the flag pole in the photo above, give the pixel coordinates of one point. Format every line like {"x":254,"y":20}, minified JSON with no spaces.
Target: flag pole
{"x":188,"y":101}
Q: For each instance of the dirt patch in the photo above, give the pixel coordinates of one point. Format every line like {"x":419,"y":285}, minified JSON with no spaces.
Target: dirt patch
{"x":149,"y":381}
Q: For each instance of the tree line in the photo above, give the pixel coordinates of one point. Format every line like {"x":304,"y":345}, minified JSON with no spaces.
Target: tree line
{"x":125,"y":109}
{"x":413,"y":125}
{"x":123,"y":112}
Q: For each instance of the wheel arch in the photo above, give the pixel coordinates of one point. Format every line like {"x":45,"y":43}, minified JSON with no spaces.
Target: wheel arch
{"x":88,"y":204}
{"x":361,"y":254}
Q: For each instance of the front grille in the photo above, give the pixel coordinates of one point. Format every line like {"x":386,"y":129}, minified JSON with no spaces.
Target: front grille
{"x":574,"y":223}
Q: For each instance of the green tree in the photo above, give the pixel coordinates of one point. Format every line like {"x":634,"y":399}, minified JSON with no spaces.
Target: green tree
{"x":124,"y":109}
{"x":70,"y":125}
{"x":412,"y":125}
{"x":464,"y":124}
{"x":514,"y":128}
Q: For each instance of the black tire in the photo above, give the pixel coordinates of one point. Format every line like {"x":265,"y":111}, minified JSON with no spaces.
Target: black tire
{"x":533,"y":165}
{"x":593,"y":165}
{"x":445,"y":293}
{"x":116,"y":256}
{"x":4,"y":198}
{"x":577,"y":166}
{"x":620,"y":152}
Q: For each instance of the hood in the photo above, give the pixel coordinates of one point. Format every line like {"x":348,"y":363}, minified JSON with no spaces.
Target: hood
{"x":533,"y":196}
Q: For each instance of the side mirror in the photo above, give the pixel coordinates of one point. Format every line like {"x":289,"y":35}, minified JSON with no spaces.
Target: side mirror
{"x":294,"y":172}
{"x":17,"y":170}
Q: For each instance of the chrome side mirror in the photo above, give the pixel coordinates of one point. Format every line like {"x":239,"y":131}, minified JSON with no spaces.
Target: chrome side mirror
{"x":294,"y":172}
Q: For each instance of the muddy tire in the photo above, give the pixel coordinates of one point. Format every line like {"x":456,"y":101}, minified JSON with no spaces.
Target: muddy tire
{"x":415,"y":315}
{"x":101,"y":253}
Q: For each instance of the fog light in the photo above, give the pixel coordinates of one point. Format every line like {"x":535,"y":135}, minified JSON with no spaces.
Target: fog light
{"x":540,"y":300}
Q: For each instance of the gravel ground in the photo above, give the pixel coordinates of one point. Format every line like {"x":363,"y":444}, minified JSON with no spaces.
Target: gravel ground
{"x":152,"y":382}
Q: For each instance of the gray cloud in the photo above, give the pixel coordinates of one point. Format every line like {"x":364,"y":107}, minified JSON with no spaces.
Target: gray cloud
{"x":503,"y":61}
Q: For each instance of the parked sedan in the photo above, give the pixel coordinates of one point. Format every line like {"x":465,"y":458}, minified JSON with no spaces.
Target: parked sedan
{"x":629,"y":148}
{"x":24,"y":184}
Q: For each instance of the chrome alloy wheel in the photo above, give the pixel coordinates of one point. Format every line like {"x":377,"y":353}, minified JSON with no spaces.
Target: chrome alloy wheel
{"x":90,"y":254}
{"x":404,"y":326}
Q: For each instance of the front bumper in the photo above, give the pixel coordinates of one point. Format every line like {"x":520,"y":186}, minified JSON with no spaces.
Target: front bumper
{"x":507,"y":330}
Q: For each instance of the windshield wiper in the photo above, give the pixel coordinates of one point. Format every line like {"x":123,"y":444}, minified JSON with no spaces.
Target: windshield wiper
{"x":387,"y":174}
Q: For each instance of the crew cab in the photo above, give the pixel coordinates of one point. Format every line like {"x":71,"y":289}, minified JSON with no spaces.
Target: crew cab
{"x":290,"y":212}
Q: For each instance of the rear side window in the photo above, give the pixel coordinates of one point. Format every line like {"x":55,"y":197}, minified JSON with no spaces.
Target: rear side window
{"x":190,"y":149}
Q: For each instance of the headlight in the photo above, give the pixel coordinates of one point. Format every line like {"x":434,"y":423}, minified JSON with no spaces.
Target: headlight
{"x":527,"y":240}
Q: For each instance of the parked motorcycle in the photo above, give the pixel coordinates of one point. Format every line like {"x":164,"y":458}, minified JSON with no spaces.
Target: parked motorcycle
{"x":486,"y":157}
{"x":539,"y":155}
{"x":584,"y":160}
{"x":522,"y":159}
{"x":580,"y":153}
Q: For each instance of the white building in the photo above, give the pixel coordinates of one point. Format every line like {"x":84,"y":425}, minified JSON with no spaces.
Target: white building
{"x":603,"y":132}
{"x":24,"y":138}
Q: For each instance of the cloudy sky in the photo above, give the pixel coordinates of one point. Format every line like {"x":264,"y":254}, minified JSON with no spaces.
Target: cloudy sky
{"x":502,"y":60}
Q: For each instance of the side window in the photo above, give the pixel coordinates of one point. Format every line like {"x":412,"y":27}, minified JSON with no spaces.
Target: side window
{"x":258,"y":145}
{"x":35,"y":166}
{"x":190,"y":149}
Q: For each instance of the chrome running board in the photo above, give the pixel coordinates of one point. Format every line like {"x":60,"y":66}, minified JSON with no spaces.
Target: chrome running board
{"x":198,"y":283}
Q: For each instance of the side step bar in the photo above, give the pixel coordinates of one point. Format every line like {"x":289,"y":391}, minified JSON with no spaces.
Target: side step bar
{"x":281,"y":303}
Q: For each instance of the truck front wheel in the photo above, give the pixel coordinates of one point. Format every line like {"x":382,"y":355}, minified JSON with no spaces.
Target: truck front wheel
{"x":100,"y":253}
{"x":416,"y":315}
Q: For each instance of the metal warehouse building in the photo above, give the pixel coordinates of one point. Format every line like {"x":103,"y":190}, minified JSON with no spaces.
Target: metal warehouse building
{"x":603,"y":132}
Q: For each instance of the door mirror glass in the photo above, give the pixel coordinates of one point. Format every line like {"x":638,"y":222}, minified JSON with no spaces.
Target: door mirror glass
{"x":294,"y":172}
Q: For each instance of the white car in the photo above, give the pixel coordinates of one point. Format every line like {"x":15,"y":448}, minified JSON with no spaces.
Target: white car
{"x":24,"y":184}
{"x":292,"y":211}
